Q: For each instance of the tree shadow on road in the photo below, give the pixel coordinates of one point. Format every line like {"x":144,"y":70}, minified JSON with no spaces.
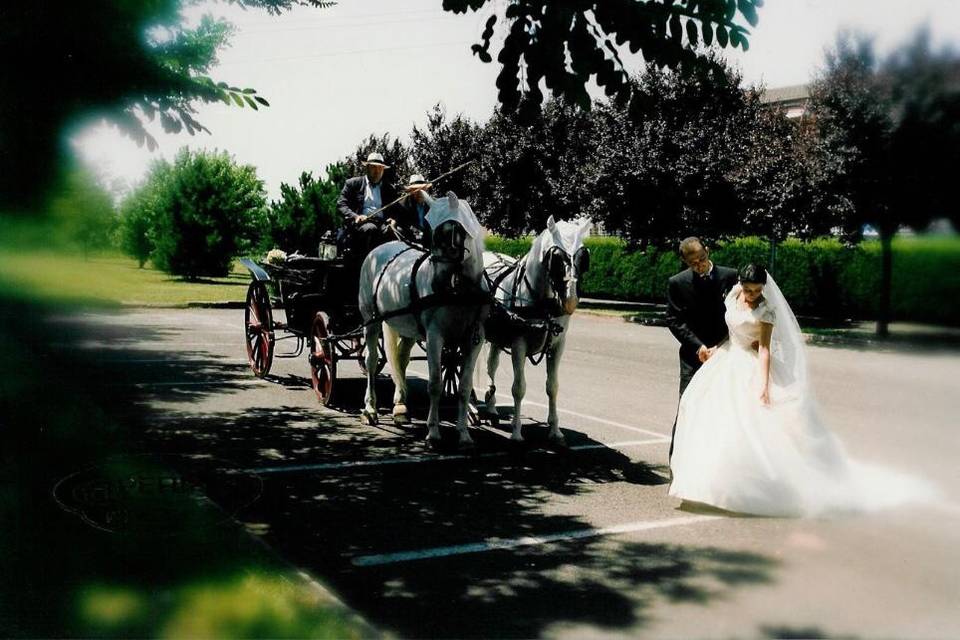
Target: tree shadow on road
{"x":329,"y":513}
{"x":77,"y":394}
{"x":130,"y":398}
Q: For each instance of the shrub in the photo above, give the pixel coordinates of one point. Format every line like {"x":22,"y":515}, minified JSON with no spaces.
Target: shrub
{"x":305,"y":212}
{"x":209,"y":210}
{"x":821,"y":277}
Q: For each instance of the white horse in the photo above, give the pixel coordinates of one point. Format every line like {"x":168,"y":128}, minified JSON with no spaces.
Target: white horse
{"x":540,"y":286}
{"x":437,"y":296}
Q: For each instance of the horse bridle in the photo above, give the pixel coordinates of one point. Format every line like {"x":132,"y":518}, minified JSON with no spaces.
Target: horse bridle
{"x":572,"y":269}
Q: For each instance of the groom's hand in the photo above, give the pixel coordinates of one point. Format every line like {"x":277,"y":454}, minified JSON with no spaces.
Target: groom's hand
{"x":703,"y":353}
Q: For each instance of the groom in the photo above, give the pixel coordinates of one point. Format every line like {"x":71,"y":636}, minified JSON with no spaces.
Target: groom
{"x":695,"y":309}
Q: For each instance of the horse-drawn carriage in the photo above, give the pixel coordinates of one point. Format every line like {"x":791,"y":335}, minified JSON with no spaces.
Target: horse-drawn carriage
{"x":439,"y":298}
{"x":314,"y":293}
{"x":318,"y":296}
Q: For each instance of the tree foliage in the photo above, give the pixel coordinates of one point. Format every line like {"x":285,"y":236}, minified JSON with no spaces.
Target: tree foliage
{"x":445,"y":144}
{"x":306,"y":211}
{"x":891,"y":128}
{"x":394,"y":153}
{"x":667,"y":159}
{"x":68,"y":63}
{"x":528,"y":167}
{"x":140,"y":209}
{"x":82,"y":211}
{"x":563,"y":45}
{"x":208,"y":210}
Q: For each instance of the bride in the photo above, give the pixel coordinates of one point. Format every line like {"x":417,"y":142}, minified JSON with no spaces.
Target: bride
{"x":749,"y":437}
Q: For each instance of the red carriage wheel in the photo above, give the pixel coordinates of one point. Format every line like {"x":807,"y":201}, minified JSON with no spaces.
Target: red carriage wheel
{"x":258,"y":321}
{"x":323,"y":359}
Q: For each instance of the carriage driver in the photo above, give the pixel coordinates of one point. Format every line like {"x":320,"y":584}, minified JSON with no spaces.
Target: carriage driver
{"x":360,"y":202}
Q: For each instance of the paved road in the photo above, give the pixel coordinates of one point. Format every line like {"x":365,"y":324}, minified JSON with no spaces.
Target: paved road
{"x":535,"y":542}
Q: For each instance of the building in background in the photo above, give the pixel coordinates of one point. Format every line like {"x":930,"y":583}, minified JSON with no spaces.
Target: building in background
{"x":793,"y":100}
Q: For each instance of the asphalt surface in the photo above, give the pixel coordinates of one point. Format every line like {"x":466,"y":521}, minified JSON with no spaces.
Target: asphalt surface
{"x":533,"y":542}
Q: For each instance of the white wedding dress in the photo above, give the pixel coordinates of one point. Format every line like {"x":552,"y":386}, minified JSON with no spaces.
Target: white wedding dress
{"x":733,"y":452}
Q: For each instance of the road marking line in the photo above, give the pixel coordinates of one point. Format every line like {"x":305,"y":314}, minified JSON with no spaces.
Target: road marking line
{"x":526,"y":541}
{"x":185,"y":384}
{"x":589,"y":417}
{"x":143,"y":345}
{"x":349,"y":464}
{"x":172,"y":361}
{"x":648,"y":432}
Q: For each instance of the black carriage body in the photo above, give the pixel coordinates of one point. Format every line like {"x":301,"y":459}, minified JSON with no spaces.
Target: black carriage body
{"x":319,"y":299}
{"x":306,"y":286}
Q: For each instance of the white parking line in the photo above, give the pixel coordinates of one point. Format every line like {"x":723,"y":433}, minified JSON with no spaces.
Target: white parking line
{"x":244,"y":381}
{"x":173,"y":361}
{"x":349,"y":464}
{"x":589,"y":417}
{"x":570,"y":412}
{"x":525,"y":541}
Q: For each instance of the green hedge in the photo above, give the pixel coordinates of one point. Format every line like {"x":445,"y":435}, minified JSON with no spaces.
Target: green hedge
{"x":820,"y":277}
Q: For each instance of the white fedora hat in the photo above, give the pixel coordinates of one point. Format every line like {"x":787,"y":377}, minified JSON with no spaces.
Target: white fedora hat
{"x":376,"y":158}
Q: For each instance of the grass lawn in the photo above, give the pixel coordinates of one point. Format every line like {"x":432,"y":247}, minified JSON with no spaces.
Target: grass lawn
{"x":109,"y":280}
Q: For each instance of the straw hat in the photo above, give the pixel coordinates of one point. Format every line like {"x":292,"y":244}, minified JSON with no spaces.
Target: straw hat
{"x":377,"y":159}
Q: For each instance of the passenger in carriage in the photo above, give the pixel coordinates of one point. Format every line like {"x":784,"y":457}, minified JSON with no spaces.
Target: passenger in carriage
{"x":360,"y":204}
{"x":411,"y":215}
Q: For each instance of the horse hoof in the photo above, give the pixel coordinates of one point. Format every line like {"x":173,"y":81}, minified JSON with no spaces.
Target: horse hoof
{"x":466,"y":446}
{"x":400,"y":419}
{"x":433,"y":443}
{"x":494,"y":420}
{"x":369,"y":418}
{"x":558,"y":441}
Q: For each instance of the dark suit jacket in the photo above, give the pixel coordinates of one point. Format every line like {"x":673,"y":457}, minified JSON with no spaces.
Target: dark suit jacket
{"x":695,"y":310}
{"x":350,"y":202}
{"x":406,"y":214}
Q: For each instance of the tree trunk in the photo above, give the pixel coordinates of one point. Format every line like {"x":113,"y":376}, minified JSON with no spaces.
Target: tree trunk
{"x":886,"y":283}
{"x":772,"y":266}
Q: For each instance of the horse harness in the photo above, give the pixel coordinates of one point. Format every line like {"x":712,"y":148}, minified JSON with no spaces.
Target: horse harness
{"x":532,"y":318}
{"x":456,"y":295}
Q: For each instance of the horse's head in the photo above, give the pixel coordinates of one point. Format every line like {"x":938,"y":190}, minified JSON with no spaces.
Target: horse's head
{"x":563,"y":260}
{"x":457,"y":242}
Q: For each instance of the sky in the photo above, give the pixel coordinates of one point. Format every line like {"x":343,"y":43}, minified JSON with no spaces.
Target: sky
{"x":334,"y":76}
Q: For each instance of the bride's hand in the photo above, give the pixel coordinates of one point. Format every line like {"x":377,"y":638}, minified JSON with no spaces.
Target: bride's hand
{"x":765,"y":396}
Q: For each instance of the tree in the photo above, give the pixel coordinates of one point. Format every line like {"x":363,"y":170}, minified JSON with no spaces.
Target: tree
{"x":208,"y":210}
{"x":69,"y":63}
{"x":529,"y":167}
{"x":666,"y":158}
{"x":139,"y":211}
{"x":302,"y":215}
{"x":891,"y":129}
{"x":444,"y":145}
{"x":565,"y":44}
{"x":394,"y":153}
{"x":781,"y":184}
{"x":82,"y":211}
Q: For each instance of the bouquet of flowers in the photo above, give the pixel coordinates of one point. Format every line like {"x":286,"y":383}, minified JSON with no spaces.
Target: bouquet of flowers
{"x":276,"y":256}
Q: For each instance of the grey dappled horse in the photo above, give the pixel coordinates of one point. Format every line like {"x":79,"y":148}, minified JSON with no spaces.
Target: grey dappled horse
{"x":540,"y":285}
{"x":437,"y":297}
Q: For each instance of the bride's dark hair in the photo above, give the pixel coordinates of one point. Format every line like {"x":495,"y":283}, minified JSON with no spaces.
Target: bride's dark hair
{"x":753,"y":273}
